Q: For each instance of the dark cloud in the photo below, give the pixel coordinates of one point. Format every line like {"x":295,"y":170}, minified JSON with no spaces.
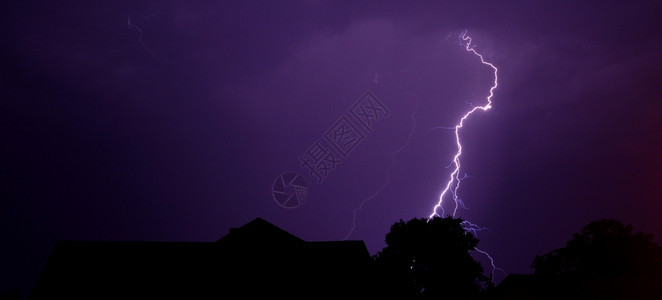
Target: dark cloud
{"x":181,"y":139}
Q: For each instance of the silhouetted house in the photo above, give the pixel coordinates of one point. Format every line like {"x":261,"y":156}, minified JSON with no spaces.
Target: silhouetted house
{"x":257,"y":259}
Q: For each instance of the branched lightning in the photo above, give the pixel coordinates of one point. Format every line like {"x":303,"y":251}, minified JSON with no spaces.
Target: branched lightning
{"x":494,"y":267}
{"x":474,"y":229}
{"x":471,"y":227}
{"x":452,"y":186}
{"x":397,"y":151}
{"x":453,"y":183}
{"x":388,"y":171}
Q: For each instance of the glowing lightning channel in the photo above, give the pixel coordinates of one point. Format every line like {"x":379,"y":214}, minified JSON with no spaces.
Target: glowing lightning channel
{"x":393,"y":155}
{"x":494,"y":267}
{"x":388,"y":171}
{"x":140,"y":33}
{"x":455,"y":177}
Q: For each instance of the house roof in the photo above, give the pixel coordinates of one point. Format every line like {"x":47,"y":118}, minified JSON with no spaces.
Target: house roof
{"x":259,"y":230}
{"x":258,"y":258}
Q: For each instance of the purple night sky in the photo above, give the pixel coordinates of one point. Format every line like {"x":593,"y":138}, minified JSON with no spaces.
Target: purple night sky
{"x":181,"y":137}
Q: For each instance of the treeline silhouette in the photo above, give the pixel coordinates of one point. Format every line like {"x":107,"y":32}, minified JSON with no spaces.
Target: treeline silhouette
{"x":605,"y":260}
{"x":430,"y":258}
{"x":423,"y":258}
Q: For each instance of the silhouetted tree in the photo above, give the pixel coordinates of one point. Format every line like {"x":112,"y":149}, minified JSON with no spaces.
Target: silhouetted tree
{"x":430,"y":258}
{"x":605,"y":260}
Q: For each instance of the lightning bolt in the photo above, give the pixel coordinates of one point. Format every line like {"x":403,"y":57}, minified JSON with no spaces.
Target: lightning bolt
{"x":140,"y":33}
{"x":474,"y":229}
{"x":404,"y":146}
{"x":453,"y":184}
{"x":471,"y":227}
{"x":494,"y":267}
{"x":388,"y":171}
